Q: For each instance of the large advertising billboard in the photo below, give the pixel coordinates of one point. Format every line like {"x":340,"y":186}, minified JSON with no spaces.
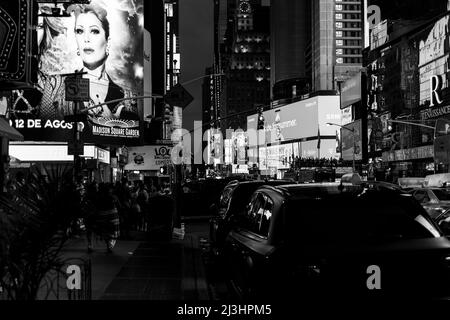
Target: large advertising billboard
{"x":302,"y":119}
{"x":102,"y":40}
{"x":351,"y":91}
{"x":145,"y":158}
{"x":433,"y":61}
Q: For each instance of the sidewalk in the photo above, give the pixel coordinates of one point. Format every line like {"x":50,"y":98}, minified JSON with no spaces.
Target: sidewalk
{"x":147,"y":270}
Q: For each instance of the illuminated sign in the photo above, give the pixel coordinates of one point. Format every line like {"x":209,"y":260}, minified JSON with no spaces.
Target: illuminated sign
{"x":148,"y":158}
{"x":103,"y":40}
{"x":433,"y":63}
{"x":299,"y":120}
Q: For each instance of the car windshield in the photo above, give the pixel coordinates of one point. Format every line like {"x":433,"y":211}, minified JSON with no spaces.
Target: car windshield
{"x":442,"y":194}
{"x":371,"y":217}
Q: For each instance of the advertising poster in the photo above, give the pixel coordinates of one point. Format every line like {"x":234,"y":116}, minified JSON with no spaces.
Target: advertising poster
{"x":145,"y":158}
{"x":433,"y":61}
{"x":351,"y":141}
{"x":103,"y":40}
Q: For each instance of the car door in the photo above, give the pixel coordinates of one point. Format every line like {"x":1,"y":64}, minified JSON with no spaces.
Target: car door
{"x":248,"y":245}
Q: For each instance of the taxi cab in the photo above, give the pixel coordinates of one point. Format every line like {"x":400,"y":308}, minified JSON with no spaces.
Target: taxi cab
{"x":434,"y":195}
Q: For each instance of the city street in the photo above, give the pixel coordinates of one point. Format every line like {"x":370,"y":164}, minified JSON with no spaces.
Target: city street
{"x":232,"y":153}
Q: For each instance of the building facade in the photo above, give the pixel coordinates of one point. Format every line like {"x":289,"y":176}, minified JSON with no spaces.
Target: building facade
{"x":408,"y":99}
{"x":243,"y":55}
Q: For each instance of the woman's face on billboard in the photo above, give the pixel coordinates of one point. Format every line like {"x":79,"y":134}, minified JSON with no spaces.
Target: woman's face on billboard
{"x":91,"y":40}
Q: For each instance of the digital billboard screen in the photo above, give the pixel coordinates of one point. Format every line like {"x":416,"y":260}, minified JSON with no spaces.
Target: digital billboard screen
{"x":103,"y":40}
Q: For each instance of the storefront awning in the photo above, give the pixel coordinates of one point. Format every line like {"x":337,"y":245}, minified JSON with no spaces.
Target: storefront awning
{"x":9,"y":132}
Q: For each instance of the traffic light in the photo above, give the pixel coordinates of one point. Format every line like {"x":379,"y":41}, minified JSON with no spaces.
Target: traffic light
{"x":260,"y":119}
{"x":163,"y":170}
{"x":167,"y":113}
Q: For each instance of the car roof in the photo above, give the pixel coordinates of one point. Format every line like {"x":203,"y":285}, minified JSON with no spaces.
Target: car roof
{"x":259,"y":182}
{"x":294,"y":191}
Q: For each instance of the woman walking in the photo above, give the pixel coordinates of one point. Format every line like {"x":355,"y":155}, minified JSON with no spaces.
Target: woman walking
{"x":103,"y":219}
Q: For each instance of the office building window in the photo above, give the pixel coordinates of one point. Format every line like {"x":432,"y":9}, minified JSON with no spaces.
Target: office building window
{"x":339,"y":34}
{"x":339,"y":7}
{"x":169,"y":9}
{"x":339,"y":42}
{"x":338,"y":16}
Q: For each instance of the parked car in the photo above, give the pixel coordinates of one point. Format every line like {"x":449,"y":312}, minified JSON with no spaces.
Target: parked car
{"x":435,"y":200}
{"x":231,"y":206}
{"x":325,"y":240}
{"x":199,"y":195}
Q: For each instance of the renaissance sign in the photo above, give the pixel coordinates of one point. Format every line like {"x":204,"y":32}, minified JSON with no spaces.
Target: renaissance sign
{"x":434,"y":113}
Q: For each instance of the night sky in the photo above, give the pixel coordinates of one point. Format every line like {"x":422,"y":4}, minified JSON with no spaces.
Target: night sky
{"x":196,"y":46}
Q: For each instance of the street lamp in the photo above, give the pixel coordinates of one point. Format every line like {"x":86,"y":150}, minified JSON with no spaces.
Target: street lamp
{"x":352,"y":130}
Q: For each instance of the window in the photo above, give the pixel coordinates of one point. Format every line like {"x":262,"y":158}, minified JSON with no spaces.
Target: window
{"x":338,"y":219}
{"x":339,"y":25}
{"x":338,"y":16}
{"x":265,"y":218}
{"x":339,"y":60}
{"x":339,"y":42}
{"x":169,"y":9}
{"x":339,"y":51}
{"x":442,"y":195}
{"x":259,"y":214}
{"x":339,"y":34}
{"x":421,"y":196}
{"x":339,"y":7}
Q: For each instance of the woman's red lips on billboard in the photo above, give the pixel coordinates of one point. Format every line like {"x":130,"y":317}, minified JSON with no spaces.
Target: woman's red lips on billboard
{"x":88,"y":50}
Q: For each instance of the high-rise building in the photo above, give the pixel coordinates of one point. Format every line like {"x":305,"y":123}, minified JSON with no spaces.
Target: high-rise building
{"x":173,"y":58}
{"x":243,"y":54}
{"x":349,"y":36}
{"x":289,"y":37}
{"x":315,"y":46}
{"x":161,"y":20}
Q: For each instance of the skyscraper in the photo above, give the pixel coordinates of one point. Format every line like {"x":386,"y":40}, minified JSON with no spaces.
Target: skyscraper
{"x":289,"y":37}
{"x":242,"y":53}
{"x":315,"y":45}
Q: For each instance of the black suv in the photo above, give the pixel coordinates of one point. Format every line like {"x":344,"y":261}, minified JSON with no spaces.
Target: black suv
{"x":231,"y":207}
{"x":334,"y":241}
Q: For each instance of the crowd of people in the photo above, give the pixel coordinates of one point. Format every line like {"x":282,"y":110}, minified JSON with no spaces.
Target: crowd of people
{"x":114,"y":211}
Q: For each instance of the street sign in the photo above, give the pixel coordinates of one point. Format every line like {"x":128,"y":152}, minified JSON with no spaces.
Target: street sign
{"x":179,"y":96}
{"x":77,"y":89}
{"x":76,"y":148}
{"x":80,"y":117}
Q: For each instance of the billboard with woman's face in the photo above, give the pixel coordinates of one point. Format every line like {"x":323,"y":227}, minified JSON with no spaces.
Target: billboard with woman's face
{"x":102,"y":40}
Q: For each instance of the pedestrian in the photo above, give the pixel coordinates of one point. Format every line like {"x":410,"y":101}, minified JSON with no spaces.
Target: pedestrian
{"x":142,"y":201}
{"x":103,"y":219}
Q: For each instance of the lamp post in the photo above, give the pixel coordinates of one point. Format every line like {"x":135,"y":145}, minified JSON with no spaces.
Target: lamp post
{"x":352,"y":130}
